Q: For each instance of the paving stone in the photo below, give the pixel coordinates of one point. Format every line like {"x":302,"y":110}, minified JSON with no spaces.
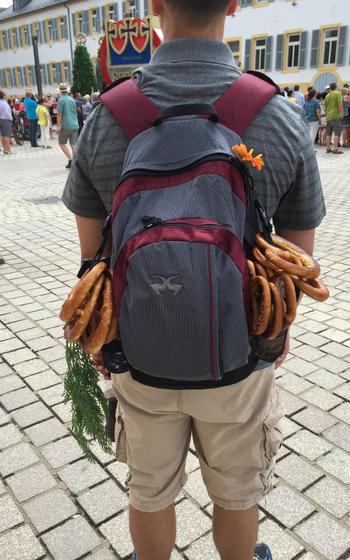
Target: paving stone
{"x":31,"y":414}
{"x":335,"y":365}
{"x":191,"y":523}
{"x":314,"y":419}
{"x":4,"y":417}
{"x":10,"y":515}
{"x":51,"y":354}
{"x":103,"y":554}
{"x":63,"y":411}
{"x":343,"y":391}
{"x":49,"y":509}
{"x":17,"y":457}
{"x":120,"y":472}
{"x":5,"y":370}
{"x":299,"y":366}
{"x":16,"y":399}
{"x":297,"y":472}
{"x":103,"y":501}
{"x":285,"y":505}
{"x":325,"y":379}
{"x":342,"y":412}
{"x":82,"y":475}
{"x":293,"y":383}
{"x":321,"y":398}
{"x":331,"y":496}
{"x":337,"y":463}
{"x":71,"y":540}
{"x":30,"y":334}
{"x":103,"y":457}
{"x":5,"y":334}
{"x":10,"y":345}
{"x":192,"y":462}
{"x":10,"y":383}
{"x":31,"y":482}
{"x":61,"y":452}
{"x":196,"y":489}
{"x":308,"y":353}
{"x":9,"y":435}
{"x":46,"y":431}
{"x":42,"y":380}
{"x":307,"y":444}
{"x":340,"y":435}
{"x":116,"y":531}
{"x":325,"y":535}
{"x":29,"y":368}
{"x":336,"y":349}
{"x":19,"y":356}
{"x":52,"y":395}
{"x":283,"y":545}
{"x":20,"y":544}
{"x":2,"y":488}
{"x":292,"y":403}
{"x":59,"y":366}
{"x":204,"y":549}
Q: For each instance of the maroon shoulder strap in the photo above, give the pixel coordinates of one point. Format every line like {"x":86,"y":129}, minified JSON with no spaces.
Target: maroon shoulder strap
{"x":133,"y":110}
{"x":242,"y":101}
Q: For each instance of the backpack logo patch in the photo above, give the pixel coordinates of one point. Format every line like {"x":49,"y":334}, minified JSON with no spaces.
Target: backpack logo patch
{"x":166,"y":283}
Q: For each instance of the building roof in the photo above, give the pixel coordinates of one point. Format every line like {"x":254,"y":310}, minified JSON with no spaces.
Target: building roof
{"x":31,"y":6}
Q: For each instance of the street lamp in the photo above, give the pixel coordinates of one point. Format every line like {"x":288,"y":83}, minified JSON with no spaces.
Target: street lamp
{"x":37,"y":65}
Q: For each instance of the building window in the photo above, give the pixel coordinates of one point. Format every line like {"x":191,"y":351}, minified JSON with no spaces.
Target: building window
{"x":235,"y":47}
{"x":18,"y":77}
{"x":28,"y":75}
{"x":14,"y":38}
{"x":110,"y":11}
{"x":260,"y":54}
{"x":94,"y":20}
{"x":293,"y":51}
{"x":79,"y":22}
{"x":62,"y":28}
{"x":65,"y":71}
{"x":330,"y":46}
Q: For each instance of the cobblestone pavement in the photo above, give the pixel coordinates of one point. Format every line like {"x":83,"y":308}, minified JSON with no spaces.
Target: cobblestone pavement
{"x":53,"y":503}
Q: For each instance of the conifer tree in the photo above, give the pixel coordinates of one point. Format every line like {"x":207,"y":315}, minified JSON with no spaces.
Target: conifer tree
{"x":84,"y":80}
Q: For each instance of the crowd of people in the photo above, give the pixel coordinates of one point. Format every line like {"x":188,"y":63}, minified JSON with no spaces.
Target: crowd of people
{"x":40,"y":115}
{"x":327,"y":113}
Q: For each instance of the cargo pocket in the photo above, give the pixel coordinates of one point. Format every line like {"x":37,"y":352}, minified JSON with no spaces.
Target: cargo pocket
{"x":120,"y":436}
{"x":271,"y":439}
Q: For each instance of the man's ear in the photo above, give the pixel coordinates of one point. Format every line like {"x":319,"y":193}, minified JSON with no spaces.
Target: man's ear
{"x":157,"y":7}
{"x":232,"y":8}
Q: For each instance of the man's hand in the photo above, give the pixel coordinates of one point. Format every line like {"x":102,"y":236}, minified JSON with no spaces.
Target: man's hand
{"x":99,"y":365}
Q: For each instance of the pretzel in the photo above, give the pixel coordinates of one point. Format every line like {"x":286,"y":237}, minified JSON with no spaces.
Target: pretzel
{"x":80,"y":291}
{"x":275,"y":326}
{"x":251,"y":268}
{"x":98,"y":336}
{"x":261,"y":271}
{"x":290,"y":297}
{"x":313,"y":288}
{"x":309,"y":268}
{"x":261,"y":304}
{"x":80,"y":320}
{"x":261,"y":259}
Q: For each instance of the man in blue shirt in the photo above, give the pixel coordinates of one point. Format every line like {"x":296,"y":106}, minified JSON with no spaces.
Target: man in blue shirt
{"x":30,"y":106}
{"x":299,"y":96}
{"x":67,"y":123}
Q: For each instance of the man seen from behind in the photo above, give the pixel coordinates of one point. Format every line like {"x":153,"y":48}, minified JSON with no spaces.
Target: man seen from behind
{"x":67,"y":123}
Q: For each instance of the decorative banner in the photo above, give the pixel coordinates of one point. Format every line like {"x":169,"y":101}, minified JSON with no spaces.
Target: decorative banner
{"x":127,"y":44}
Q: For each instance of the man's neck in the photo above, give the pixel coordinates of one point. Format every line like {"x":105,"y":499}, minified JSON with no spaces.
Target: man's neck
{"x":173,"y":29}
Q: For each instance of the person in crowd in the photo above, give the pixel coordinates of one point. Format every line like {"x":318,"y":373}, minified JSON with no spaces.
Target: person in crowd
{"x":80,"y":112}
{"x":299,"y":96}
{"x":346,"y":118}
{"x":334,"y":115}
{"x":44,"y":121}
{"x":30,"y":106}
{"x":50,"y":106}
{"x":322,"y":130}
{"x":86,"y":105}
{"x":95,"y":97}
{"x":67,"y":123}
{"x":5,"y":123}
{"x":236,"y":426}
{"x":291,"y":97}
{"x":312,"y":110}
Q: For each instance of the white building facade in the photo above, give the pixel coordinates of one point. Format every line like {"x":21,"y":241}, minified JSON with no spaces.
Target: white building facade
{"x":56,"y":24}
{"x":293,"y":41}
{"x":304,"y":42}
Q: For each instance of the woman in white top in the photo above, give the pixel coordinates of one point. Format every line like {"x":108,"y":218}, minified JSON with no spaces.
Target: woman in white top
{"x":5,"y":123}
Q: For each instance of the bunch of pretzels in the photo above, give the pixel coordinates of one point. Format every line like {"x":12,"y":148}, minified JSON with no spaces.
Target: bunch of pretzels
{"x":88,"y":312}
{"x":276,"y":272}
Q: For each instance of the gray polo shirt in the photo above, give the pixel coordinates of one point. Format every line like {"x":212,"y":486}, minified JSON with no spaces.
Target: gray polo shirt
{"x":199,"y":70}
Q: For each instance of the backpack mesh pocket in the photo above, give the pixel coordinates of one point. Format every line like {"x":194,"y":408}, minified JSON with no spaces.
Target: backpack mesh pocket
{"x":270,"y":350}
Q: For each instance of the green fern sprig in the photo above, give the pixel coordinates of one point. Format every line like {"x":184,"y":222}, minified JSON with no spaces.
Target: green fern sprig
{"x":88,"y":403}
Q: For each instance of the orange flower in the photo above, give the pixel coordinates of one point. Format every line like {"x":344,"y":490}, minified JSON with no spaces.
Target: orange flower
{"x":258,"y":162}
{"x":242,"y":151}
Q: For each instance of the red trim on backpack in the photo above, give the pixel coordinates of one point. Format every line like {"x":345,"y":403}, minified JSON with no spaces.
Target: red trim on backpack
{"x":211,"y":319}
{"x":134,"y":185}
{"x":221,"y":238}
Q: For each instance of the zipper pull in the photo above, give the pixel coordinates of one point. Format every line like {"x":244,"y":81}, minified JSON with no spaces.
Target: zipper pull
{"x":150,"y":222}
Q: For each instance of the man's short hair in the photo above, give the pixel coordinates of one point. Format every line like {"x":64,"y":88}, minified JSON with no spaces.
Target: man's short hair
{"x":199,"y":10}
{"x":333,"y":86}
{"x":296,"y":88}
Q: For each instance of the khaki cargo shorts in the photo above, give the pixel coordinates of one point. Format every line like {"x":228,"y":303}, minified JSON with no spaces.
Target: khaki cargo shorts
{"x":66,"y":134}
{"x":236,"y":433}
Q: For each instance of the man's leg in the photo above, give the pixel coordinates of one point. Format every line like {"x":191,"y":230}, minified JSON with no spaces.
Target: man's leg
{"x":235,"y":533}
{"x":66,"y":151}
{"x":153,"y":534}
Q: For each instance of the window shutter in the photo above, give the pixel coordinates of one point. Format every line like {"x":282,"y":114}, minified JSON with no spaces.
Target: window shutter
{"x":41,"y":32}
{"x":268,"y":63}
{"x":138,"y":9}
{"x":74,"y":25}
{"x":18,"y":37}
{"x":47,"y":74}
{"x":69,"y":72}
{"x":245,"y":3}
{"x":98,"y":20}
{"x":303,"y":47}
{"x":86,"y":22}
{"x":2,"y":84}
{"x":58,"y":72}
{"x":247,"y":54}
{"x":315,"y":46}
{"x":279,"y":52}
{"x":65,"y":28}
{"x":33,"y":76}
{"x":23,"y":75}
{"x":123,"y":8}
{"x":54,"y":29}
{"x":12,"y":77}
{"x":343,"y":31}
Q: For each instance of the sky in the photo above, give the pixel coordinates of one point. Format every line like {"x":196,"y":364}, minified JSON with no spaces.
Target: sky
{"x":5,"y":3}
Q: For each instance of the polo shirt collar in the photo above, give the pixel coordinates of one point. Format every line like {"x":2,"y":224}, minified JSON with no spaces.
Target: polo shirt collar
{"x":193,"y":49}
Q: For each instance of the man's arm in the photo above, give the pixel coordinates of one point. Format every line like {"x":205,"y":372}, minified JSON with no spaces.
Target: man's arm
{"x":90,"y":236}
{"x":303,"y":238}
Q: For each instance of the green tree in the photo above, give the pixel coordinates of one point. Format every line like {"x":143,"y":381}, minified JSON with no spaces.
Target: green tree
{"x":84,"y":80}
{"x":99,"y":80}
